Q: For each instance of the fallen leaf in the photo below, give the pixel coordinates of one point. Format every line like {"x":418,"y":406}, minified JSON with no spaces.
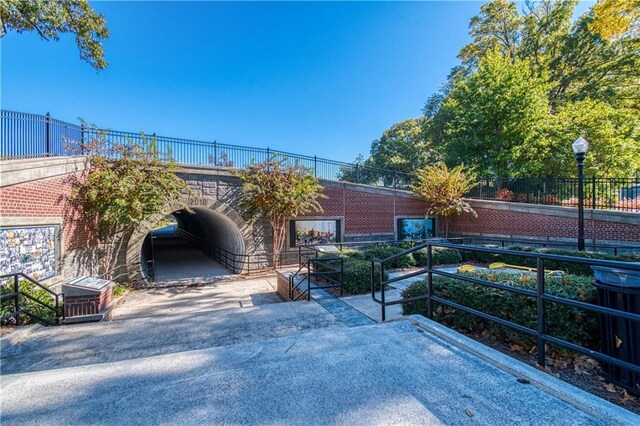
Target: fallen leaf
{"x":469,"y":412}
{"x":610,"y":388}
{"x":523,"y":380}
{"x":618,"y":342}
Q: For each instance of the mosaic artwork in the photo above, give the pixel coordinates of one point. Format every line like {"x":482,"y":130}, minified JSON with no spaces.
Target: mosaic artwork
{"x":306,"y":232}
{"x":415,"y":229}
{"x":29,"y":250}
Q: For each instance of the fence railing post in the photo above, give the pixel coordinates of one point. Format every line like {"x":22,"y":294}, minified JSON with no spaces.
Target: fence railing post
{"x":429,"y":282}
{"x":16,"y":301}
{"x":47,"y":134}
{"x":541,"y":312}
{"x":315,"y":166}
{"x":593,"y":192}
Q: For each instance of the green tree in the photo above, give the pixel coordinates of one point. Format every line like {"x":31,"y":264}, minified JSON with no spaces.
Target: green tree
{"x":51,"y":18}
{"x":126,"y":183}
{"x":613,"y":135}
{"x":404,"y":148}
{"x":360,"y":171}
{"x":496,"y":119}
{"x":275,"y":190}
{"x":443,"y":188}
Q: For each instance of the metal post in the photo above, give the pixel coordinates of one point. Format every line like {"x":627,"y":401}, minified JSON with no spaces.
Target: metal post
{"x":47,"y":133}
{"x":593,"y":192}
{"x":384,"y":308}
{"x":541,"y":312}
{"x":430,"y":282}
{"x":580,"y":161}
{"x":16,"y":301}
{"x":215,"y":153}
{"x":315,"y":166}
{"x":309,"y":281}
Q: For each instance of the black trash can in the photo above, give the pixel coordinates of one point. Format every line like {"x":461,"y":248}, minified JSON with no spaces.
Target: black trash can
{"x":620,"y":338}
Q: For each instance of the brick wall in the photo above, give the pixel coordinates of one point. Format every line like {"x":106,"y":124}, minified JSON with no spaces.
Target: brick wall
{"x":547,"y":222}
{"x":48,"y":198}
{"x":368,"y":211}
{"x":87,"y":304}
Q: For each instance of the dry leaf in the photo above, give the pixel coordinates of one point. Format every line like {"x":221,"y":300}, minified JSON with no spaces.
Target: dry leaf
{"x":469,"y":412}
{"x":618,"y":341}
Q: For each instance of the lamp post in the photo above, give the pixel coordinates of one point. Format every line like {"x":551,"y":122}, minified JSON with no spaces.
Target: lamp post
{"x":580,"y":149}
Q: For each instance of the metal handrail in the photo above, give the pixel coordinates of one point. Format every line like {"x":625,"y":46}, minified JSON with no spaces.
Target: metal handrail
{"x":18,"y":309}
{"x":541,"y":297}
{"x":311,"y":272}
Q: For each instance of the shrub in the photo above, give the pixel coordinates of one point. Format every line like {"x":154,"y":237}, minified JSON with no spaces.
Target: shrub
{"x":384,"y":251}
{"x":439,"y":256}
{"x":504,"y":194}
{"x":6,"y":287}
{"x":357,"y":276}
{"x":570,"y":268}
{"x":573,"y":325}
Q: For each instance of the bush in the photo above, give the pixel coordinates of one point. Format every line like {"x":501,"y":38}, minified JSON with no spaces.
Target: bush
{"x":570,"y":268}
{"x":357,"y":276}
{"x":384,"y":251}
{"x":439,"y":256}
{"x":573,"y":325}
{"x":6,"y":287}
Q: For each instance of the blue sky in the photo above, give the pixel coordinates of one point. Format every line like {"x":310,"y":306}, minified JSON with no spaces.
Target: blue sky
{"x":314,"y":78}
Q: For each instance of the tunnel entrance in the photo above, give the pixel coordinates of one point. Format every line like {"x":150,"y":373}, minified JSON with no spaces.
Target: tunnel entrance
{"x":191,"y":247}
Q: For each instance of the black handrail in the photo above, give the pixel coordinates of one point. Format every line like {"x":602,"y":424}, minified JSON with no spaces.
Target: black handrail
{"x":17,"y":306}
{"x":311,"y":271}
{"x":541,"y":297}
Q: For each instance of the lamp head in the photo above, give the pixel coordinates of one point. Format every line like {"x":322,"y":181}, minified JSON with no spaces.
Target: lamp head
{"x":580,"y":146}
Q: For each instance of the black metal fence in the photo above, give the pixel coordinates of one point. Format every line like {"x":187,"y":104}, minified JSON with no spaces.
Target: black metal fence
{"x":542,"y":297}
{"x":26,"y":135}
{"x":600,"y":193}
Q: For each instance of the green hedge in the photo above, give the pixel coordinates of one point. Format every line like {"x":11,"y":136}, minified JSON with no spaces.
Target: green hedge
{"x":439,"y":256}
{"x":570,"y":268}
{"x":384,"y":251}
{"x":357,"y":276}
{"x":573,"y":325}
{"x":25,"y":303}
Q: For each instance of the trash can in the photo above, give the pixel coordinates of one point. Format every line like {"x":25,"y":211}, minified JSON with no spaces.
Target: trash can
{"x":620,"y":338}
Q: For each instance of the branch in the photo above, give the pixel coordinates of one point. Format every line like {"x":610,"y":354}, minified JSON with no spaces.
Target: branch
{"x":30,"y":22}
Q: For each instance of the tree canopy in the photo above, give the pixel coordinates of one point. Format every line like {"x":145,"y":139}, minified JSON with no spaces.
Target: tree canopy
{"x":50,"y":19}
{"x":276,"y":190}
{"x":532,"y":79}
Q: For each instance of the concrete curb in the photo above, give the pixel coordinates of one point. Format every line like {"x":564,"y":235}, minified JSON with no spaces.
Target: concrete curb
{"x":18,"y":336}
{"x":584,"y":401}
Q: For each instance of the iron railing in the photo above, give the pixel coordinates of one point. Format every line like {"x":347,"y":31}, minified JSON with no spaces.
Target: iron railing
{"x":540,"y":295}
{"x":313,"y":268}
{"x":614,"y":249}
{"x":26,"y":135}
{"x":240,"y":263}
{"x":599,"y":193}
{"x":18,"y":294}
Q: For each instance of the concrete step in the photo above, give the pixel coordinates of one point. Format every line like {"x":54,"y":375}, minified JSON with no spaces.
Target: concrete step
{"x":161,"y":333}
{"x":389,"y":373}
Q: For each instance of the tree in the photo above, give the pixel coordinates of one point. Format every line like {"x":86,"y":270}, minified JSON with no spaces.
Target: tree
{"x":275,"y":190}
{"x":443,"y":189}
{"x":126,"y":183}
{"x":496,"y":119}
{"x":360,"y":171}
{"x":403,"y":148}
{"x":50,"y":19}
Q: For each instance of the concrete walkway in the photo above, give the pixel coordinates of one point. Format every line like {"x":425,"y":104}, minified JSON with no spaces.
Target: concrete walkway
{"x":392,"y":373}
{"x":179,"y":263}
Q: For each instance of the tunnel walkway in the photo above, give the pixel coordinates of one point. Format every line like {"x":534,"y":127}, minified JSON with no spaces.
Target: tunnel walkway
{"x":177,"y":262}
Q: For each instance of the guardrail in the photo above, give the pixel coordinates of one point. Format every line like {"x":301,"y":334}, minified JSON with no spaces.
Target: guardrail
{"x":26,"y":135}
{"x":316,"y":267}
{"x":18,"y":309}
{"x":622,"y":194}
{"x":541,"y":297}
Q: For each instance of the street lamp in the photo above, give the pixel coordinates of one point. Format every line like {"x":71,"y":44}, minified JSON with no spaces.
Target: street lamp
{"x":580,"y":149}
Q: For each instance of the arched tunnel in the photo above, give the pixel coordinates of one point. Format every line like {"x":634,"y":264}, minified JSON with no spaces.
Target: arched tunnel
{"x":200,"y":246}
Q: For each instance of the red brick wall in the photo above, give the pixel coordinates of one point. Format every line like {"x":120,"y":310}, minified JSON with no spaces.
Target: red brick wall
{"x":48,"y":198}
{"x":368,"y":212}
{"x":86,"y":305}
{"x":493,"y":221}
